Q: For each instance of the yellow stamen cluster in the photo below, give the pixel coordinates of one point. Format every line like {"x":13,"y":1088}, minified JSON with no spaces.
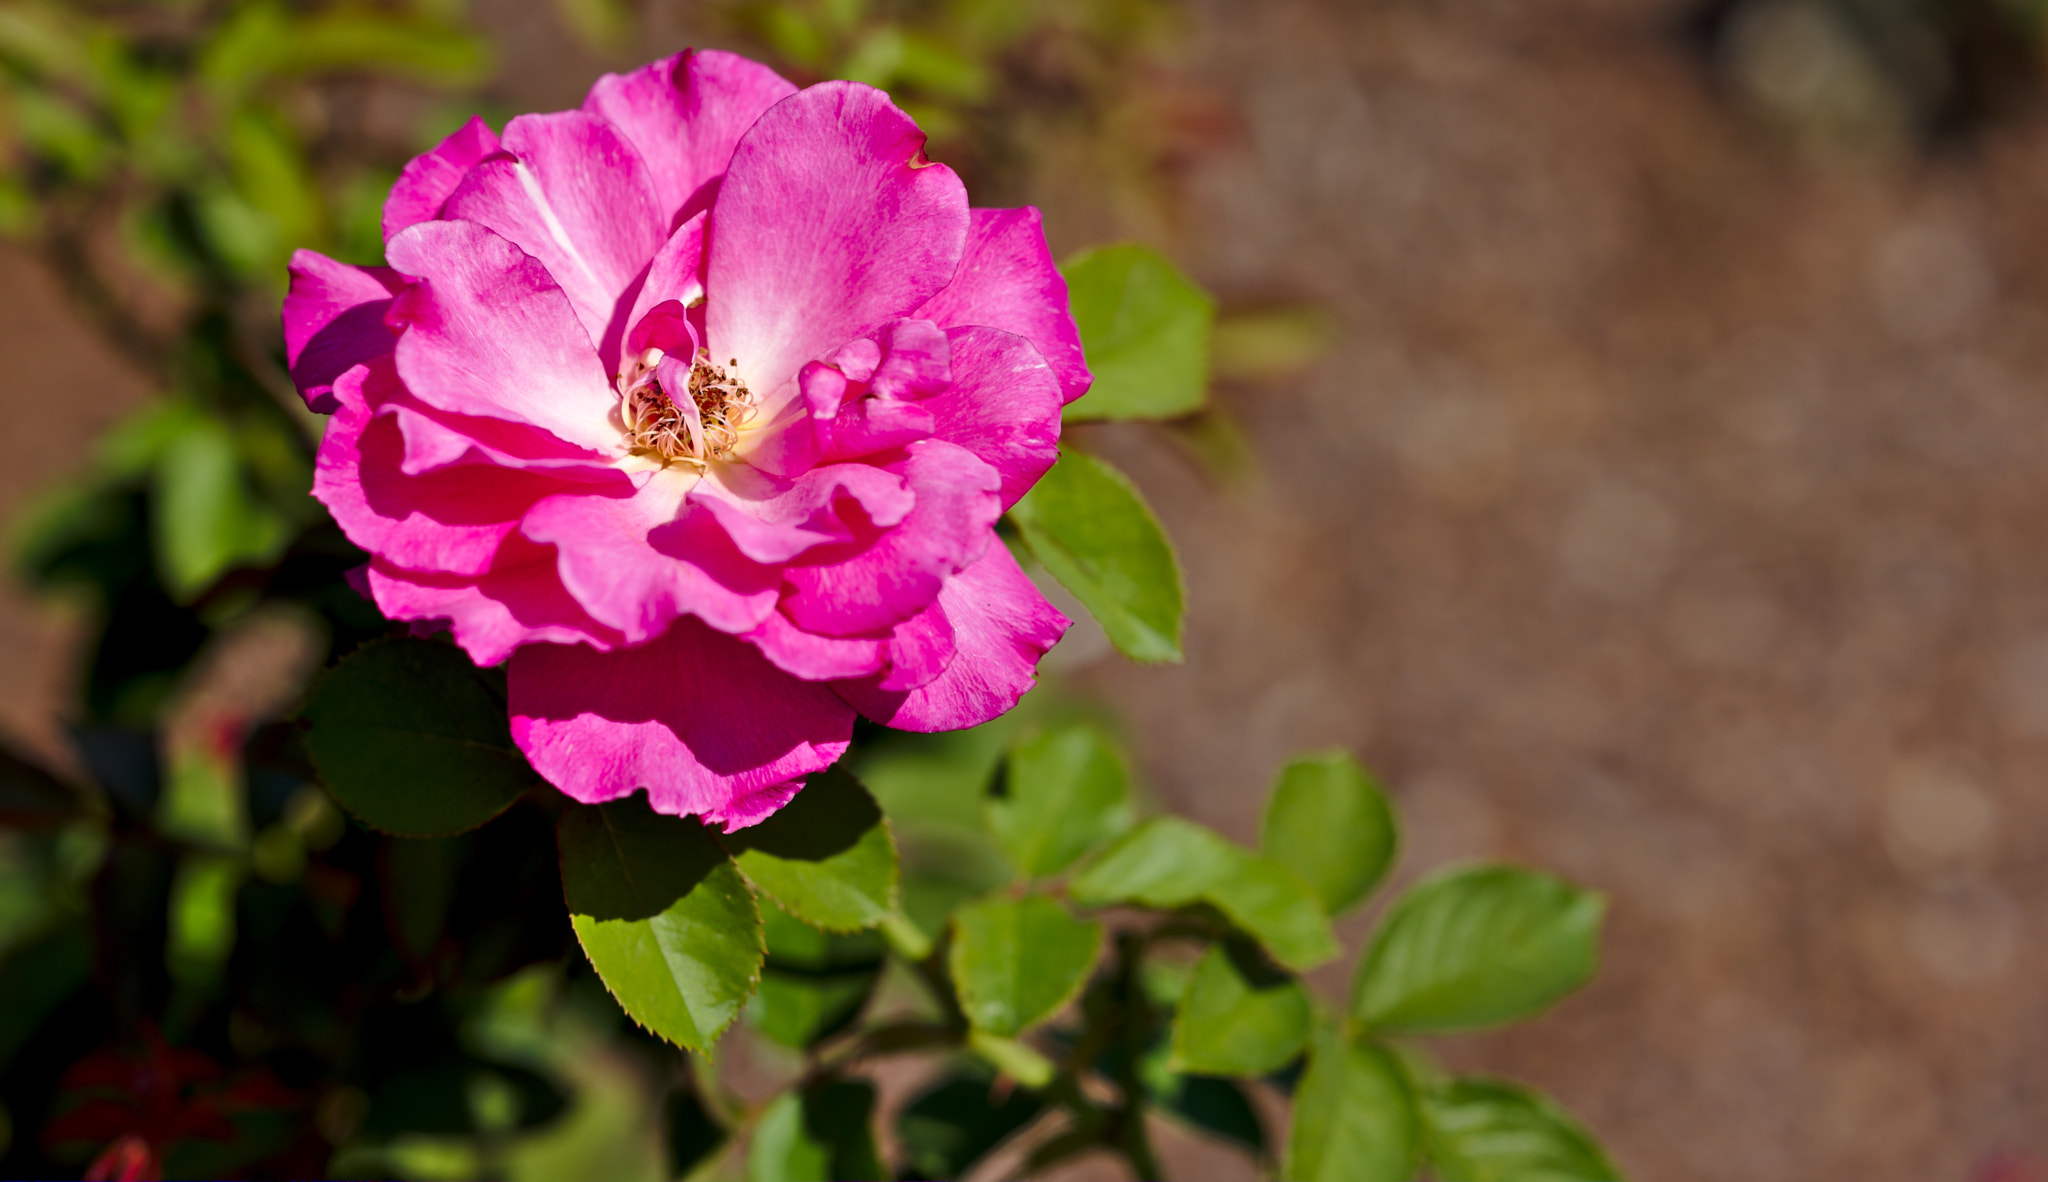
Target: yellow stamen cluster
{"x":656,"y":425}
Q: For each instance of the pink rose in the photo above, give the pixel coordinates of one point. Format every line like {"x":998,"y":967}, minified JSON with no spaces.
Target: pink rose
{"x":699,"y":404}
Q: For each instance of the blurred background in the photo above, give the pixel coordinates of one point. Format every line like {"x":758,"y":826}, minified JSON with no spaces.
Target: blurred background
{"x":1630,"y":439}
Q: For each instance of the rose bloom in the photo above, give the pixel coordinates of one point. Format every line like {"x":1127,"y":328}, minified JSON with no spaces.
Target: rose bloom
{"x":698,"y":404}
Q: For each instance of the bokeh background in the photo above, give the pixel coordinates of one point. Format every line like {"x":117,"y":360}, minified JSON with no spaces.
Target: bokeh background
{"x":1631,"y":439}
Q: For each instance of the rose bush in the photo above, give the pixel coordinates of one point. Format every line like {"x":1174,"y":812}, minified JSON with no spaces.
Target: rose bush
{"x":699,"y":405}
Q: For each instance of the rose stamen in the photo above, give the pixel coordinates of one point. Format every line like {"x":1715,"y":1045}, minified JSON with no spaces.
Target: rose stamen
{"x":656,"y":425}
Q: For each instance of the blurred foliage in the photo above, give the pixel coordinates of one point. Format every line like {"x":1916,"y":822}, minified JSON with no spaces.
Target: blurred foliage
{"x":345,"y":943}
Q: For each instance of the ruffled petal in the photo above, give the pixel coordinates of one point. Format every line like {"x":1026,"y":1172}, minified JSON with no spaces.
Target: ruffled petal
{"x":685,"y":114}
{"x":638,"y":562}
{"x":448,"y":520}
{"x":333,"y":321}
{"x":676,"y":276}
{"x":487,"y":332}
{"x":519,"y":600}
{"x":574,"y":194}
{"x":774,"y":521}
{"x":817,"y":658}
{"x":866,"y":589}
{"x":828,"y":224}
{"x":701,"y":720}
{"x":1003,"y":405}
{"x":427,"y":181}
{"x":919,"y":650}
{"x":1007,"y":280}
{"x":1001,"y":627}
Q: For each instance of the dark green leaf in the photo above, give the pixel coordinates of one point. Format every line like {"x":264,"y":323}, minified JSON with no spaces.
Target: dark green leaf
{"x":1477,"y":1130}
{"x":815,"y":982}
{"x":1328,"y":821}
{"x":1017,"y":961}
{"x":1238,"y":1017}
{"x":1477,"y":947}
{"x":412,"y":738}
{"x":663,"y":915}
{"x":37,"y":978}
{"x":1088,"y":525}
{"x":823,"y":1133}
{"x":827,"y":856}
{"x":957,"y":1121}
{"x":1145,"y":329}
{"x":1170,"y":862}
{"x":1354,"y":1120}
{"x":693,"y":1132}
{"x":1065,"y":792}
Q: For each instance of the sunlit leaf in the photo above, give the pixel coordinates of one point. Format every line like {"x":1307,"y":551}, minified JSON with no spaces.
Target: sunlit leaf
{"x":1065,"y":791}
{"x":1238,"y":1017}
{"x":412,"y":738}
{"x":1354,"y":1120}
{"x":1145,"y":330}
{"x":827,"y":855}
{"x":1017,"y":961}
{"x":1329,"y":822}
{"x":1477,"y":947}
{"x":1086,"y":522}
{"x":664,"y":916}
{"x":1170,"y":862}
{"x":1477,"y":1130}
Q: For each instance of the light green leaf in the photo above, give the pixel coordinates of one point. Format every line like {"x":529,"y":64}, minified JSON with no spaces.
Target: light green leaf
{"x":1328,"y":821}
{"x":1170,"y":862}
{"x":1065,"y":792}
{"x":207,"y":521}
{"x":1354,"y":1120}
{"x":1145,"y":331}
{"x":1238,"y":1017}
{"x":412,"y":738}
{"x":1088,"y":525}
{"x":664,"y":916}
{"x":823,"y":1133}
{"x":1017,"y":961}
{"x":1477,"y":1130}
{"x":1477,"y":947}
{"x":827,"y":856}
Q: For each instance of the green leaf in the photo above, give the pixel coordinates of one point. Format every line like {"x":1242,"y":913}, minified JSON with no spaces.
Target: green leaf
{"x":1170,"y":862}
{"x":664,"y":916}
{"x":1477,"y":947}
{"x":412,"y":738}
{"x":815,"y":983}
{"x":1145,"y":330}
{"x":1354,"y":1120}
{"x":207,"y":521}
{"x":1238,"y":1017}
{"x":1328,"y":821}
{"x":826,"y":856}
{"x":1092,"y":530}
{"x":1218,"y":1107}
{"x":824,"y":1133}
{"x":1065,"y":793}
{"x":1017,"y":961}
{"x":1477,"y":1130}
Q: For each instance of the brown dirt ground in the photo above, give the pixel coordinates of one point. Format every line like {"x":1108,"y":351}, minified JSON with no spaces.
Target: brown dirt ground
{"x":1664,"y":514}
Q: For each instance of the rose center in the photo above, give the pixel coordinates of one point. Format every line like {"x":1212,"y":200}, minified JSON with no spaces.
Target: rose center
{"x":706,"y":427}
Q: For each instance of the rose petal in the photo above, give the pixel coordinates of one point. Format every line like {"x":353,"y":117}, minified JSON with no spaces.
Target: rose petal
{"x":487,"y":332}
{"x":1001,"y":626}
{"x":864,"y":589}
{"x":519,"y":600}
{"x":432,"y":175}
{"x":701,"y":720}
{"x":828,"y":223}
{"x":574,"y":194}
{"x":774,"y":521}
{"x":817,"y":658}
{"x":1003,"y":405}
{"x":685,"y":113}
{"x":676,"y":276}
{"x":1007,"y":280}
{"x":333,"y":321}
{"x":637,"y":562}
